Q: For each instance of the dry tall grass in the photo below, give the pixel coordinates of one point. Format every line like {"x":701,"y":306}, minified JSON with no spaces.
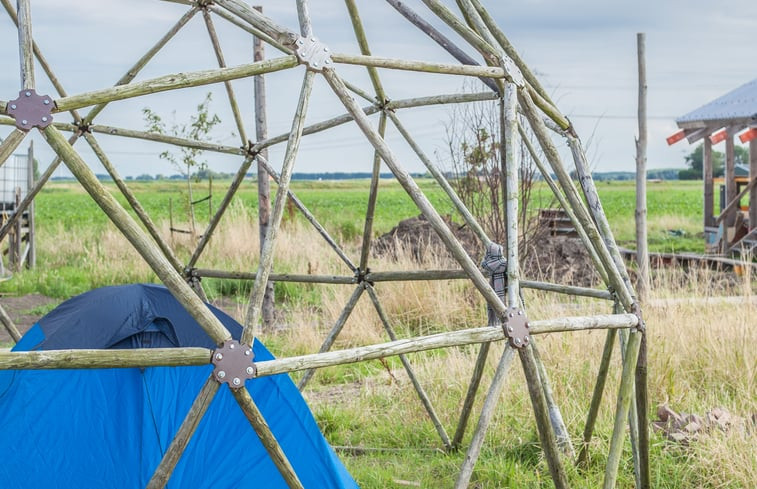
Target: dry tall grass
{"x":702,"y":350}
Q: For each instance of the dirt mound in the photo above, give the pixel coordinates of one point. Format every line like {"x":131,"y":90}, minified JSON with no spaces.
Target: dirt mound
{"x":417,"y":238}
{"x":561,"y":260}
{"x":554,"y":259}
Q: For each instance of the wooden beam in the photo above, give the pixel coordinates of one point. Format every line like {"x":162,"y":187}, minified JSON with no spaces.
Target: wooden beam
{"x":707,"y":175}
{"x":730,"y":182}
{"x":753,"y":194}
{"x":80,"y":359}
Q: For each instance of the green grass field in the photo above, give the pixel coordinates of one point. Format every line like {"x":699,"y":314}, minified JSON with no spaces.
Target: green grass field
{"x":701,"y":357}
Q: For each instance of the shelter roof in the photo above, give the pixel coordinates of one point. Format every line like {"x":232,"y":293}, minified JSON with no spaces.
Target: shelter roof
{"x":737,"y":107}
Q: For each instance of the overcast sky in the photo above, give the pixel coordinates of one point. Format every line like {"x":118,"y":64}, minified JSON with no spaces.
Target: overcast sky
{"x":584,"y":52}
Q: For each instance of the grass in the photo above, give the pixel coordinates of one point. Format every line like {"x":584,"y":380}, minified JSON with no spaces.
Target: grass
{"x":702,"y":355}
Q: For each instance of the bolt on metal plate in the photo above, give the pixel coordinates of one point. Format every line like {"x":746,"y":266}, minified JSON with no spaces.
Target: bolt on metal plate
{"x":312,"y":53}
{"x":234,"y":364}
{"x":515,"y":325}
{"x":31,"y":110}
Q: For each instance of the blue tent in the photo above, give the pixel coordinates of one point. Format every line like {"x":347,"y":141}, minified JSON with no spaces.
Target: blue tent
{"x":110,"y":427}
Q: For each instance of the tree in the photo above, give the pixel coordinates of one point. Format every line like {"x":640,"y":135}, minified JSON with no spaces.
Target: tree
{"x":695,"y":162}
{"x":473,"y":145}
{"x":188,"y":162}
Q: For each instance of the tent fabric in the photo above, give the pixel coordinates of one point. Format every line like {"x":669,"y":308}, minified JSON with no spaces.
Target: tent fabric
{"x":110,"y":427}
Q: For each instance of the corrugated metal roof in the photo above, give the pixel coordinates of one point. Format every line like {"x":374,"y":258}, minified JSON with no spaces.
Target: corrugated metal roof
{"x":737,"y":105}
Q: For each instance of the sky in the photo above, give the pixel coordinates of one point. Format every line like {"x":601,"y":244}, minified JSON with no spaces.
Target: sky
{"x":583,"y":51}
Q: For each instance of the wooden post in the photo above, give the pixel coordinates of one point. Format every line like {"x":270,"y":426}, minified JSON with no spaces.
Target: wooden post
{"x":730,"y":187}
{"x":264,"y":186}
{"x":31,"y":260}
{"x":26,"y":52}
{"x":642,"y":255}
{"x":9,"y":326}
{"x":470,"y":395}
{"x":365,"y":249}
{"x":709,"y":202}
{"x":753,"y":193}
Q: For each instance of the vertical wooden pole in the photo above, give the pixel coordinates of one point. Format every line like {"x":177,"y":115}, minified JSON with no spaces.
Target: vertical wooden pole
{"x":753,"y":192}
{"x":15,"y":258}
{"x":642,"y":255}
{"x":31,"y":261}
{"x":26,"y":51}
{"x":372,"y":197}
{"x":487,"y":412}
{"x":470,"y":395}
{"x":264,"y":186}
{"x":709,"y":202}
{"x":730,"y":186}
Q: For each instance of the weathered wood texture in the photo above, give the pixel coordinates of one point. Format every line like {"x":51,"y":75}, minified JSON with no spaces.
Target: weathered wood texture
{"x":753,"y":193}
{"x":26,"y":52}
{"x":68,"y":359}
{"x":10,"y":143}
{"x":173,"y":82}
{"x":264,"y":185}
{"x":642,"y":254}
{"x":441,"y":340}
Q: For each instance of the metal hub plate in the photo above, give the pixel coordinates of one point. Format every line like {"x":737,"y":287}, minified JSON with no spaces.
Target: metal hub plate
{"x":516,"y":327}
{"x":313,"y":53}
{"x":31,"y":110}
{"x":234,"y":364}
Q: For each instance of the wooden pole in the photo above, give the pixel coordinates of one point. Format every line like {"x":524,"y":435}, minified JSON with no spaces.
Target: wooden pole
{"x":440,"y":39}
{"x":31,"y":261}
{"x":470,"y":395}
{"x":365,"y":248}
{"x":267,"y":438}
{"x":753,"y":193}
{"x":151,"y":253}
{"x":227,"y":84}
{"x":86,"y":359}
{"x":266,"y":256}
{"x":419,"y":66}
{"x":277,"y":277}
{"x":303,"y":16}
{"x":487,"y":413}
{"x":26,"y":51}
{"x":334,"y":333}
{"x":625,"y":395}
{"x":596,"y":397}
{"x":709,"y":202}
{"x":633,"y":418}
{"x":10,"y":327}
{"x":730,"y":187}
{"x":555,"y":416}
{"x":449,"y":339}
{"x":642,"y":254}
{"x":410,"y":373}
{"x":264,"y":186}
{"x":10,"y":143}
{"x":173,"y":82}
{"x":362,"y":40}
{"x":180,"y":441}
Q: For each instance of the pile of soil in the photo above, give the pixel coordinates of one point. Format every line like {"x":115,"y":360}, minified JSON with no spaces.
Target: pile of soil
{"x":416,"y":238}
{"x":555,"y":259}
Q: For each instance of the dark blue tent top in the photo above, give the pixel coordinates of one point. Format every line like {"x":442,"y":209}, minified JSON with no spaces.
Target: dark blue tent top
{"x":109,"y":428}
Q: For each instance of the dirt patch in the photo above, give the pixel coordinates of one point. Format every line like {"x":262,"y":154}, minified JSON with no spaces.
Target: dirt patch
{"x":24,"y":311}
{"x":556,"y":259}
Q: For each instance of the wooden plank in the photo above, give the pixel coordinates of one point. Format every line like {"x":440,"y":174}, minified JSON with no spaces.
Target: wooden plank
{"x":709,"y":202}
{"x":730,"y":184}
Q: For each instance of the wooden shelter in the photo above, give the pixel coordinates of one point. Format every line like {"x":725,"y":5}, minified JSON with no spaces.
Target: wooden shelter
{"x":526,"y":110}
{"x":734,"y":228}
